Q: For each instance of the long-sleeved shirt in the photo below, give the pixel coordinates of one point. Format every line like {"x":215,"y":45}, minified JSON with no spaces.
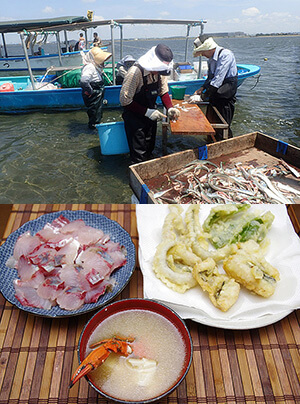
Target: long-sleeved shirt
{"x":89,"y":74}
{"x":221,"y":66}
{"x":133,"y":83}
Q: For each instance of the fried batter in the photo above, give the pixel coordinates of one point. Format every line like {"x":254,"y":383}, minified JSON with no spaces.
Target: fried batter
{"x":176,"y":277}
{"x":249,"y":267}
{"x":222,"y":290}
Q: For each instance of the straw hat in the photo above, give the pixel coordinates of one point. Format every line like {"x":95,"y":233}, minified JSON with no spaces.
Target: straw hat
{"x":99,"y":55}
{"x":207,"y":45}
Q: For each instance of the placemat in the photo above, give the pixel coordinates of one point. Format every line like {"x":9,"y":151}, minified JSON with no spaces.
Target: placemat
{"x":38,"y":355}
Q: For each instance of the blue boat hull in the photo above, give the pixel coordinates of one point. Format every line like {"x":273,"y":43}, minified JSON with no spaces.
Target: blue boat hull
{"x":66,"y":99}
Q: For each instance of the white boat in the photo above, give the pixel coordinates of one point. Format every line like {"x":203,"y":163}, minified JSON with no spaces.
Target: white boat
{"x":36,"y":33}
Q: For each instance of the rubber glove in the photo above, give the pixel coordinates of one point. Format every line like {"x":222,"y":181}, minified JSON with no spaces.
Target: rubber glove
{"x":173,"y":113}
{"x":154,"y":114}
{"x":195,"y":98}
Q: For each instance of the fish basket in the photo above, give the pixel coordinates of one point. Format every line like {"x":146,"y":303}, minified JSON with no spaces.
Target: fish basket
{"x":178,"y":92}
{"x":113,"y":138}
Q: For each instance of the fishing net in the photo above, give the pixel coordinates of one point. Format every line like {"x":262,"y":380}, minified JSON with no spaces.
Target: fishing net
{"x":71,"y":79}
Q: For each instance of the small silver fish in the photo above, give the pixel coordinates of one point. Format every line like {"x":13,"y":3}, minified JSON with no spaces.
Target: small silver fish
{"x":161,"y":193}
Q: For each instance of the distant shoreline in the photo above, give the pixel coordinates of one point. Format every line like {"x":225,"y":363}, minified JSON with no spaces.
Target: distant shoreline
{"x":215,"y":35}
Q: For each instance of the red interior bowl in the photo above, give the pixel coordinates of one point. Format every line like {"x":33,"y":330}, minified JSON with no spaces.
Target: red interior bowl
{"x":142,"y":304}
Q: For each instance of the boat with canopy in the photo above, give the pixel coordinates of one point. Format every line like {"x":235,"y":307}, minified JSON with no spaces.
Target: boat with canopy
{"x":36,"y":34}
{"x":32,"y":93}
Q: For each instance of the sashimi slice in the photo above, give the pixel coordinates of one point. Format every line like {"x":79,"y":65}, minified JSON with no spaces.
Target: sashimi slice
{"x":94,"y":293}
{"x":94,"y":277}
{"x":42,"y":255}
{"x":70,"y":252}
{"x":70,"y":275}
{"x":90,"y":259}
{"x":47,"y":232}
{"x":112,"y":246}
{"x":28,"y":296}
{"x":60,"y":222}
{"x":51,"y":288}
{"x":54,"y":239}
{"x":11,"y":262}
{"x":59,"y":241}
{"x":50,"y":229}
{"x":46,"y":258}
{"x":88,"y":235}
{"x":25,"y":245}
{"x":118,"y":258}
{"x":72,"y":298}
{"x":25,"y":268}
{"x":36,"y":279}
{"x":73,"y":227}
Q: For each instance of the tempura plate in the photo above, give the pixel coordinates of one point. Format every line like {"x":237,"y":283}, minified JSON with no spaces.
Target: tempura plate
{"x":250,"y":310}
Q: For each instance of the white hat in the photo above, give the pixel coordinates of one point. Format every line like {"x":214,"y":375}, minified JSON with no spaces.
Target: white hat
{"x":99,"y":55}
{"x":159,"y":58}
{"x":207,"y":45}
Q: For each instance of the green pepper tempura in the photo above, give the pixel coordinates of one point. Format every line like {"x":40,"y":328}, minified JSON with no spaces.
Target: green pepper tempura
{"x":230,"y":224}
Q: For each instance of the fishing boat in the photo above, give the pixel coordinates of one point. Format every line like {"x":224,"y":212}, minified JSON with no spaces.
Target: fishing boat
{"x":36,"y":35}
{"x":19,"y":94}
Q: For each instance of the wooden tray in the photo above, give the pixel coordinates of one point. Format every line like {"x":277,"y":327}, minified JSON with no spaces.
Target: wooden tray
{"x":253,"y":148}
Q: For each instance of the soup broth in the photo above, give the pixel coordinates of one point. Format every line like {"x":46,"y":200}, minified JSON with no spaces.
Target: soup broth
{"x":156,"y":339}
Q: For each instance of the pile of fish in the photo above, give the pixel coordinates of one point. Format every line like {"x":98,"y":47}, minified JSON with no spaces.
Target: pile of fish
{"x":67,"y":263}
{"x":202,"y":181}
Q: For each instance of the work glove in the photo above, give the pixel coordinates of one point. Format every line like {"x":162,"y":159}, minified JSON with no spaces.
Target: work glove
{"x":173,"y":113}
{"x":195,"y":98}
{"x":154,"y":114}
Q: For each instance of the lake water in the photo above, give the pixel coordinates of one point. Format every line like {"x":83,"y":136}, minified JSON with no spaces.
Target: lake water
{"x":54,"y":158}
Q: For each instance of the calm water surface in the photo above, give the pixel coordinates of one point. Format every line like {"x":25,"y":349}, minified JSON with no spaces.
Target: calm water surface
{"x":54,"y":158}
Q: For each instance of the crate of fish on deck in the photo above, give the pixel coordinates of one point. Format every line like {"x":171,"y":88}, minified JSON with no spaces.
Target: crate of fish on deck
{"x":251,"y":168}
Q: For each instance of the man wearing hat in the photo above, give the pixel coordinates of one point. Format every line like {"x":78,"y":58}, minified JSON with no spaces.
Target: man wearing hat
{"x":221,"y":84}
{"x":144,"y":81}
{"x":123,"y":66}
{"x":92,"y":83}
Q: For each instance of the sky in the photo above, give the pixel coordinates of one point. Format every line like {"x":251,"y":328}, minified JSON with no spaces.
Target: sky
{"x":249,"y":16}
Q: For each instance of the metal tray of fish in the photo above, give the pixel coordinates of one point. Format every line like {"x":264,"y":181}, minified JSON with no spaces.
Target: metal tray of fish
{"x":252,"y":168}
{"x":120,"y":276}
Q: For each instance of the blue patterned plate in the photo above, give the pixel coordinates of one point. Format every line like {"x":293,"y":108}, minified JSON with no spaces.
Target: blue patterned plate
{"x":108,"y":226}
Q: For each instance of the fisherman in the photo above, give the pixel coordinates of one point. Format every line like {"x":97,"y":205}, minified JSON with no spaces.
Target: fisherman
{"x":96,"y":41}
{"x":92,"y":83}
{"x":146,"y":80}
{"x":221,"y":84}
{"x":123,"y":66}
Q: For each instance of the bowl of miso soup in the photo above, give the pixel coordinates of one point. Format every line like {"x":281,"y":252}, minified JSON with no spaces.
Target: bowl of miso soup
{"x":159,"y":357}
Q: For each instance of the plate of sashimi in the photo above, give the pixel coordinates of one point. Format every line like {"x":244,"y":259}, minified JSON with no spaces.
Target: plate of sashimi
{"x":66,"y":263}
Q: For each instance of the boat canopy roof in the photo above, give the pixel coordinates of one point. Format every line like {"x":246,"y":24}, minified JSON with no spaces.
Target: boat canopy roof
{"x":44,"y":24}
{"x":76,"y":26}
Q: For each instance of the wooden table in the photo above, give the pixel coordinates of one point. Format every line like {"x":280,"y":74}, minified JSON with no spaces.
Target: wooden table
{"x":38,"y":355}
{"x":191,"y":121}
